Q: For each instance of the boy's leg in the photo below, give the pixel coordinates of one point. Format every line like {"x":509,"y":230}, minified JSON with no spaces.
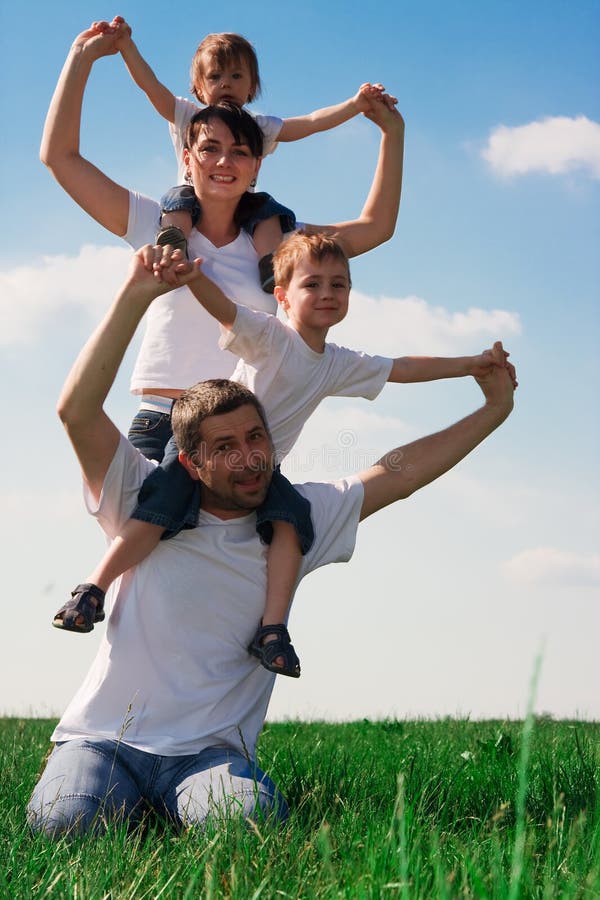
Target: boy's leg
{"x":283,"y":564}
{"x":283,"y":521}
{"x":82,"y":788}
{"x":136,"y":541}
{"x":167,"y":502}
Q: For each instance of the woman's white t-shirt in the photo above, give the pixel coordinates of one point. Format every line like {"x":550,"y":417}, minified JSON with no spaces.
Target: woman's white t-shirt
{"x":181,"y":341}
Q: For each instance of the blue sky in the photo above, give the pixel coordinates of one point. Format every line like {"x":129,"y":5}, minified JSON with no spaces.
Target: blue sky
{"x":452,"y":594}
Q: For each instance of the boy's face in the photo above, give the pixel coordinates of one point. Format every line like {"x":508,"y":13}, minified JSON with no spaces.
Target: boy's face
{"x":218,"y":83}
{"x":317,"y":295}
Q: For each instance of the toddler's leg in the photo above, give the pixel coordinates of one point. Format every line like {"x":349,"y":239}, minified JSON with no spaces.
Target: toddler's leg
{"x":136,"y":541}
{"x":267,"y":237}
{"x":180,"y":211}
{"x":283,"y":563}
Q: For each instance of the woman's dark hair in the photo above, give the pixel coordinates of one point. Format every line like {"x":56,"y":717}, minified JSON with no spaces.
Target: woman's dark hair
{"x":240,"y":123}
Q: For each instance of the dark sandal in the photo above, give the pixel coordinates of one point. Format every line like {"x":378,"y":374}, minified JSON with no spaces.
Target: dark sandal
{"x":281,"y":646}
{"x":81,"y":605}
{"x":173,"y":235}
{"x":266,"y":273}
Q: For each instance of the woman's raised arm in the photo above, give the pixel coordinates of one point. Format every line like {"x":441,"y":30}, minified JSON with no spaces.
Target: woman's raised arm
{"x":377,"y":221}
{"x":98,"y":195}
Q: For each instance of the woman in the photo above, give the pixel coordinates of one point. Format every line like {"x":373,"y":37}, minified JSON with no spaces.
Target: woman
{"x":180,"y":346}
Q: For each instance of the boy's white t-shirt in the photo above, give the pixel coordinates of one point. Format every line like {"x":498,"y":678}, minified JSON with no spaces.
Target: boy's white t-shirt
{"x":290,"y":379}
{"x":172,"y":674}
{"x":185,"y":109}
{"x":181,"y":340}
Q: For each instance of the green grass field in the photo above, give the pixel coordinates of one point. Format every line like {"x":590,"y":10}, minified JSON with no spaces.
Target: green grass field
{"x":449,"y":808}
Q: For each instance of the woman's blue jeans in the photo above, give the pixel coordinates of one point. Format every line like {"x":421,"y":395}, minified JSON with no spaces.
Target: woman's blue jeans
{"x":89,"y":783}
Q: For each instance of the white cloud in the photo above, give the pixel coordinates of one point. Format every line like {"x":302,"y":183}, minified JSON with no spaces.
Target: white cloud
{"x":33,"y":295}
{"x":550,"y":566}
{"x":398,"y":326}
{"x":554,"y":145}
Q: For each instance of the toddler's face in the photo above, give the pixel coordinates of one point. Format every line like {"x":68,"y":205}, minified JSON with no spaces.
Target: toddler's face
{"x":231,"y":82}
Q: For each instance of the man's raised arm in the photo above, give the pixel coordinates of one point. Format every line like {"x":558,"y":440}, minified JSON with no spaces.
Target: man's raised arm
{"x":404,"y":470}
{"x":81,"y":404}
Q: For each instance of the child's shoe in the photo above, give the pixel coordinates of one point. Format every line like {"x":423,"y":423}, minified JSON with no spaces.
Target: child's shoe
{"x":173,"y":235}
{"x":85,"y":607}
{"x":279,"y":646}
{"x":266,"y":273}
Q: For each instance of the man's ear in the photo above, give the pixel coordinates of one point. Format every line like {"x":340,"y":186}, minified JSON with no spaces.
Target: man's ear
{"x":189,"y":467}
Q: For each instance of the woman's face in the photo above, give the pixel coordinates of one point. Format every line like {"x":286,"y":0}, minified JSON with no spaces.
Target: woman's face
{"x":219,"y":167}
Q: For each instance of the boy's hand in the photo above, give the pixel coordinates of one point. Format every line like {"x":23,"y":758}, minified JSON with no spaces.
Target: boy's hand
{"x":154,"y":271}
{"x":170,"y":268}
{"x":481,"y":366}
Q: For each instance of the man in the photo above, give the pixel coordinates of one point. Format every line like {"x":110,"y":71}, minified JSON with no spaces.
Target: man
{"x":170,"y":711}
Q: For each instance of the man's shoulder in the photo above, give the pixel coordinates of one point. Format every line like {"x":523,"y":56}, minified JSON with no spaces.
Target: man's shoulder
{"x":335,"y":510}
{"x":125,"y":475}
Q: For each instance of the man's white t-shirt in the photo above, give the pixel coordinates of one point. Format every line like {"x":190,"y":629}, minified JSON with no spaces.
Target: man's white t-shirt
{"x":185,"y":109}
{"x":290,"y":379}
{"x":181,"y":340}
{"x":173,"y":675}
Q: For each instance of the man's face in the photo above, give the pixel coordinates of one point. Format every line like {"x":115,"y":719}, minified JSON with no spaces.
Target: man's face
{"x":234,"y":462}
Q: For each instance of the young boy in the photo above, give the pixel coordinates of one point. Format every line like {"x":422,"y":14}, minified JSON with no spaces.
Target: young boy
{"x":291,"y":368}
{"x":225,"y":68}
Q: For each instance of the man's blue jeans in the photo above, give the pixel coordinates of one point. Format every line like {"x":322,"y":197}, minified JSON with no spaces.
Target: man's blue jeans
{"x":87,"y":784}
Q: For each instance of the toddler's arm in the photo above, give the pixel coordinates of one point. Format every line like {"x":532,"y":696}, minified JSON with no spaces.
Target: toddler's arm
{"x":331,"y":116}
{"x":159,"y":96}
{"x":410,"y":369}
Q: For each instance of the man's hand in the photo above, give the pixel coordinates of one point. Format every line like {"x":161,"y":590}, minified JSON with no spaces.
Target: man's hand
{"x":382,"y":110}
{"x":498,"y":383}
{"x":481,"y":365}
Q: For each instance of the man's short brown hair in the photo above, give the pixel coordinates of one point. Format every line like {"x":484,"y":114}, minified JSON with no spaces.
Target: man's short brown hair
{"x":300,"y":245}
{"x":208,"y":398}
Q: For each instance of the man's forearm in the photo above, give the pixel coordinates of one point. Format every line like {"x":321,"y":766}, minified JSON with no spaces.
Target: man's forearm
{"x":406,"y":469}
{"x":96,"y":367}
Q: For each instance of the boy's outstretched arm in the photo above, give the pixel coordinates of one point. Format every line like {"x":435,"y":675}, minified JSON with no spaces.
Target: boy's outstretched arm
{"x":161,"y":98}
{"x":299,"y":127}
{"x":406,"y":469}
{"x":411,"y":369}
